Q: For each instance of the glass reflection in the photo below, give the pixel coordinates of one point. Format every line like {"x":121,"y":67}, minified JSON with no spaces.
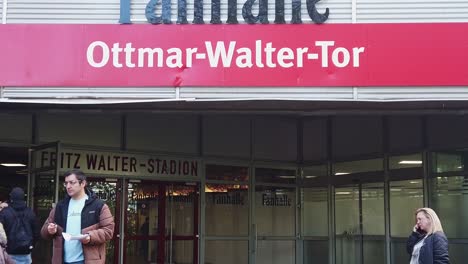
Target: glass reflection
{"x":227,"y":173}
{"x":275,"y":211}
{"x":276,"y":252}
{"x":349,"y":167}
{"x":227,"y":210}
{"x":449,"y":198}
{"x":451,"y":161}
{"x":268,"y":175}
{"x":314,"y":212}
{"x":161,"y":224}
{"x":226,"y":252}
{"x":106,"y":191}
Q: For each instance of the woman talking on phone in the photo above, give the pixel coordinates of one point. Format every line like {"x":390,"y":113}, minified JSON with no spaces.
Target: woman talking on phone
{"x":428,"y":243}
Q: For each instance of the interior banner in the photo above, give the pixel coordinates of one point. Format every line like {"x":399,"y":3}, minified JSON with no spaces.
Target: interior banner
{"x":304,"y":55}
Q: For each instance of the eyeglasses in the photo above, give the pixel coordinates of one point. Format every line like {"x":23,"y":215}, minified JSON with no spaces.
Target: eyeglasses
{"x":65,"y":184}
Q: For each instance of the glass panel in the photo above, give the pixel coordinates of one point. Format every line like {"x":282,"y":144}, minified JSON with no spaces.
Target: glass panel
{"x":227,"y":173}
{"x":374,"y":250}
{"x":399,"y":254}
{"x":314,"y":211}
{"x":347,"y":249}
{"x":276,"y":252}
{"x":347,"y":225}
{"x":449,"y":197}
{"x":450,"y":161}
{"x":344,"y":168}
{"x":315,"y":174}
{"x":181,"y":210}
{"x":315,"y":252}
{"x":406,"y":161}
{"x":373,"y":219}
{"x":373,"y":222}
{"x":134,"y":254}
{"x":347,"y":210}
{"x":227,"y":210}
{"x":458,"y":252}
{"x":405,"y":198}
{"x":180,"y":250}
{"x":44,"y":195}
{"x":348,"y":233}
{"x":142,"y":208}
{"x":275,"y":211}
{"x":106,"y":191}
{"x":226,"y":252}
{"x":275,"y":175}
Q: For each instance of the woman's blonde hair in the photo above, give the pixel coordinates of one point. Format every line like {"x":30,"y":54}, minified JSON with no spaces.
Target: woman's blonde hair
{"x":432,"y":216}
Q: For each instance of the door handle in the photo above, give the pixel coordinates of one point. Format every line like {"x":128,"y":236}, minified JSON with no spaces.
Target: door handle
{"x":255,"y":238}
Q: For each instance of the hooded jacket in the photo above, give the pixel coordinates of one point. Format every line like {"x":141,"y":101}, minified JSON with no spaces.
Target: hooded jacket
{"x":96,"y":220}
{"x":434,"y":249}
{"x":17,"y":207}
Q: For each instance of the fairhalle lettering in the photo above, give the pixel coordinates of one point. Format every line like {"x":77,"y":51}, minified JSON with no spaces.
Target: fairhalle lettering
{"x":247,"y":14}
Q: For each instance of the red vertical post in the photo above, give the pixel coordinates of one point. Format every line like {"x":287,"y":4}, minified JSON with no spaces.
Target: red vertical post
{"x":120,"y":185}
{"x":195,"y":223}
{"x":161,"y":224}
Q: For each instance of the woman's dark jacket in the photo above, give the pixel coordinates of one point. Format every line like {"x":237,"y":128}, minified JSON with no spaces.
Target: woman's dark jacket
{"x":434,"y":249}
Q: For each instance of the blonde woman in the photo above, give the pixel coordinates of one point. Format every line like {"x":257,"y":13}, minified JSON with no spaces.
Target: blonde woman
{"x":428,"y":243}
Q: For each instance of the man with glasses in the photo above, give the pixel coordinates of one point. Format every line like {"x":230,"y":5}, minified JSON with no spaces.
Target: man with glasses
{"x":80,"y":225}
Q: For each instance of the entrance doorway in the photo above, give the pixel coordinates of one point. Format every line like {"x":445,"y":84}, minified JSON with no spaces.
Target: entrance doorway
{"x":161,"y":224}
{"x":160,"y":220}
{"x":155,"y":222}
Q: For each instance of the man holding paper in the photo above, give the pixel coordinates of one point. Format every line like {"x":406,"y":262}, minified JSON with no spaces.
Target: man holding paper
{"x":80,"y":225}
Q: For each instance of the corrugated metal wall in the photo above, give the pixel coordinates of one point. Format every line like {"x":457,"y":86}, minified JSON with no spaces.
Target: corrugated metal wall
{"x":1,"y":11}
{"x":341,"y":11}
{"x":366,"y":11}
{"x":65,"y":11}
{"x":234,"y":93}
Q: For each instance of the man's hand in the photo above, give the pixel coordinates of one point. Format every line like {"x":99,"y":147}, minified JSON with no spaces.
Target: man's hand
{"x":86,"y":240}
{"x":52,"y":228}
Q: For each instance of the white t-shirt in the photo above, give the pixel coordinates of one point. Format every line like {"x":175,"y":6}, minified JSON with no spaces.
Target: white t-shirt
{"x":73,"y":248}
{"x":416,"y":249}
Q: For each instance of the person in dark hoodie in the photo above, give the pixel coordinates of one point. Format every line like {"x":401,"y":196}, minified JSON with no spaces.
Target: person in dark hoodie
{"x":21,"y":227}
{"x":427,"y":244}
{"x":81,"y":215}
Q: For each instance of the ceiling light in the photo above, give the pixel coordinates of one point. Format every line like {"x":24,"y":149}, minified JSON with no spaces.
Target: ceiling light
{"x":287,"y":177}
{"x":310,"y":177}
{"x":13,"y":164}
{"x":342,"y":193}
{"x":341,"y":173}
{"x":410,"y":162}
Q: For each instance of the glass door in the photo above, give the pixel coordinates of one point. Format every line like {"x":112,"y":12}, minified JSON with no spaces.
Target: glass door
{"x":274,"y":229}
{"x":43,"y":190}
{"x":161,"y":222}
{"x":360,"y":224}
{"x":109,"y":190}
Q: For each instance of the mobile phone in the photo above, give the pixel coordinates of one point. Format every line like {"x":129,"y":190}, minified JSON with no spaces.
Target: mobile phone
{"x":419,"y":230}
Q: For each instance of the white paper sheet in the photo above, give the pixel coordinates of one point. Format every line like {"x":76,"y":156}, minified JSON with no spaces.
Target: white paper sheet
{"x":69,"y":237}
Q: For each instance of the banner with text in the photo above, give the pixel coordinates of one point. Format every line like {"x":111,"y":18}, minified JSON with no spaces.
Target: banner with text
{"x":234,"y":55}
{"x":119,"y":164}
